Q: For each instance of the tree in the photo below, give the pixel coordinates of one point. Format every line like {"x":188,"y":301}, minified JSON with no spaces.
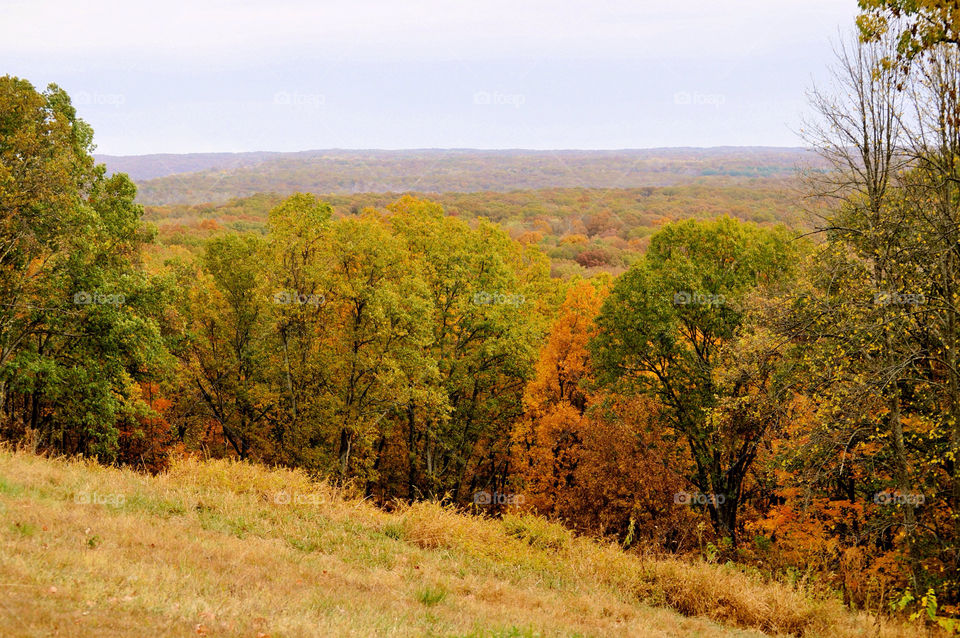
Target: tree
{"x":379,"y":360}
{"x":489,"y":295}
{"x":226,"y":344}
{"x":664,"y":331}
{"x":298,"y":260}
{"x":592,"y":459}
{"x":875,"y":319}
{"x":79,"y":327}
{"x":549,"y":436}
{"x":915,"y":26}
{"x":869,"y":240}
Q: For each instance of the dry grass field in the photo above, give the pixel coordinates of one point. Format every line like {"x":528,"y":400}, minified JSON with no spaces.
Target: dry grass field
{"x":229,"y":549}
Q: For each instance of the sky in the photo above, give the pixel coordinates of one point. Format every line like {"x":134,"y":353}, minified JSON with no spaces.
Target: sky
{"x":289,"y":75}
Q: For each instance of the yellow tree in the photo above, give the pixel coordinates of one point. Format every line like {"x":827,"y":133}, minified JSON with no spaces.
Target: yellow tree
{"x":916,"y":26}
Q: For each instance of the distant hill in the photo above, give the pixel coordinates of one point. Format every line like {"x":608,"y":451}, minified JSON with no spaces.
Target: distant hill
{"x":144,"y":167}
{"x":218,"y":177}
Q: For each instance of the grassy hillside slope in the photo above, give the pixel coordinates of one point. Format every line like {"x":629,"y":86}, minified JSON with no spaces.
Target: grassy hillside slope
{"x":228,"y":549}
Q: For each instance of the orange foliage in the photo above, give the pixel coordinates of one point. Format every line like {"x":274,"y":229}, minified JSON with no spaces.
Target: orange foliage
{"x":594,"y":461}
{"x":147,"y":441}
{"x":531,"y":237}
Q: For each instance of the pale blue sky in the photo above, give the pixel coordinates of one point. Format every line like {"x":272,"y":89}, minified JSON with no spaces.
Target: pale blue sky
{"x":285,"y":75}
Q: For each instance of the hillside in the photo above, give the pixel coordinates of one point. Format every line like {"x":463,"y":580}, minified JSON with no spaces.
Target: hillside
{"x":227,"y":549}
{"x":192,"y":179}
{"x":143,"y":167}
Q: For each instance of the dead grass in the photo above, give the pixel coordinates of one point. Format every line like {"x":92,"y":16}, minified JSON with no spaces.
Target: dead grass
{"x":230,"y":549}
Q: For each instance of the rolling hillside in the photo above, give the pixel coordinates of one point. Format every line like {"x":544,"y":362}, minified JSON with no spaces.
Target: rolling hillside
{"x":229,"y":549}
{"x":217,"y":177}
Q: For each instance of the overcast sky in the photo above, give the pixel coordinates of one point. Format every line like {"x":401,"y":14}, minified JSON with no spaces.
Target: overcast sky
{"x":285,"y":75}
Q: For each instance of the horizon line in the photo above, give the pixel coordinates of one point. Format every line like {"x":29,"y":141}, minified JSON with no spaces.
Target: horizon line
{"x":470,"y":149}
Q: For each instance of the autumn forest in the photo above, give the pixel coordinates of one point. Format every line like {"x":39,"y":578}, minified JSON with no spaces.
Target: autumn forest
{"x":754,"y":363}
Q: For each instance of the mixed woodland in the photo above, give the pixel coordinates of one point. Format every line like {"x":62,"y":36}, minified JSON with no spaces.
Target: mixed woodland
{"x":760,"y":370}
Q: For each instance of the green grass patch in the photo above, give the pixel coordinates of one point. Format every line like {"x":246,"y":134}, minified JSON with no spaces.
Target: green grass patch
{"x":431,"y":595}
{"x":160,"y":507}
{"x":24,"y":529}
{"x":8,"y":488}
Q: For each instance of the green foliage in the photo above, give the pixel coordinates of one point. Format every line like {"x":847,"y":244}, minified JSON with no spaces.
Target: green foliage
{"x":667,"y":328}
{"x":329,"y":342}
{"x":78,"y":326}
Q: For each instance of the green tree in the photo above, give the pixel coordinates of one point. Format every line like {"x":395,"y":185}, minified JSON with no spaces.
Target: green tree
{"x":298,"y":261}
{"x":226,"y":341}
{"x":379,"y":358}
{"x":667,"y":329}
{"x":489,"y":296}
{"x":78,"y":315}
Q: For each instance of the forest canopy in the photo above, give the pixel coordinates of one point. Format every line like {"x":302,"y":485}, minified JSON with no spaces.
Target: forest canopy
{"x":668,"y":373}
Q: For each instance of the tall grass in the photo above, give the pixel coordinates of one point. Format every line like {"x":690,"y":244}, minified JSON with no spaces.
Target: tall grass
{"x":228,"y":548}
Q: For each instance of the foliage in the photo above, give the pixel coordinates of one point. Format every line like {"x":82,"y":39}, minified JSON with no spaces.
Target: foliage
{"x":627,"y":362}
{"x":915,"y":26}
{"x":78,"y":314}
{"x":667,"y":330}
{"x":583,"y":231}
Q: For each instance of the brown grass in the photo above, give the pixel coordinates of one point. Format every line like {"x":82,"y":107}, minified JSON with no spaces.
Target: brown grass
{"x":229,"y":549}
